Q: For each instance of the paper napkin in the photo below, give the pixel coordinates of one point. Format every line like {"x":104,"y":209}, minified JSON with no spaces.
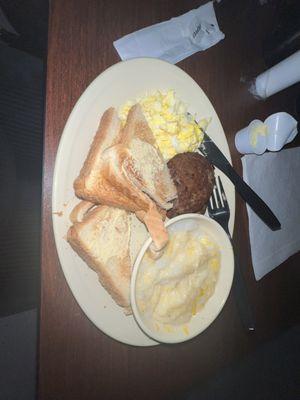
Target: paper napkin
{"x":175,"y":39}
{"x":276,"y":178}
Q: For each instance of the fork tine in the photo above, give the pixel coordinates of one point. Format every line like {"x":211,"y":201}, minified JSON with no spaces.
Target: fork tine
{"x":222,"y":192}
{"x":217,"y":190}
{"x":213,"y":199}
{"x":209,"y":206}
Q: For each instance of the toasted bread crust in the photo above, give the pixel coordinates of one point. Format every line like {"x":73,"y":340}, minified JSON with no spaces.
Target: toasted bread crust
{"x":109,"y":120}
{"x":79,"y":211}
{"x":137,"y":127}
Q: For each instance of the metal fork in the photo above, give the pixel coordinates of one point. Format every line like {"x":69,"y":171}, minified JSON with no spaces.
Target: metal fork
{"x":218,"y":210}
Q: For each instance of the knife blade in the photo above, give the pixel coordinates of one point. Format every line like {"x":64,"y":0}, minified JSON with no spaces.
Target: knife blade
{"x":214,"y":155}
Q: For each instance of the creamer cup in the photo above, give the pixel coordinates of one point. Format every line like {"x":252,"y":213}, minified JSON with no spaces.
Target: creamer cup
{"x":272,"y":134}
{"x":244,"y":140}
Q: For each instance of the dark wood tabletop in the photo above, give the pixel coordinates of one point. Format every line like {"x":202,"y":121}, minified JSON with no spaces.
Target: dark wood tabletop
{"x":76,"y":360}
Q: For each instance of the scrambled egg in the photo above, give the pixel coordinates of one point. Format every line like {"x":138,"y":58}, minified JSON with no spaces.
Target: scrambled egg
{"x":174,"y":129}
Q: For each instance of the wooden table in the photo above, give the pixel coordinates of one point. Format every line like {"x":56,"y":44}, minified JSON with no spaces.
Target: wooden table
{"x":77,"y":361}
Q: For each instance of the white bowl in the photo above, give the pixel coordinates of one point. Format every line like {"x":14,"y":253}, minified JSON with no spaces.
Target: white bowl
{"x":215,"y":303}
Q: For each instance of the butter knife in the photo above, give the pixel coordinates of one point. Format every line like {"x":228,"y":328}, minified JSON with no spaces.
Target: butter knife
{"x":214,"y":155}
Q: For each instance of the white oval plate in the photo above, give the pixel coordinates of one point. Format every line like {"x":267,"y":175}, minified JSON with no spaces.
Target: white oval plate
{"x":119,"y":83}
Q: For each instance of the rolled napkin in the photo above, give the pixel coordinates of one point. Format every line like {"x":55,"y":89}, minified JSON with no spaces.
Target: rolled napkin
{"x":282,"y":75}
{"x":175,"y":39}
{"x":275,"y":177}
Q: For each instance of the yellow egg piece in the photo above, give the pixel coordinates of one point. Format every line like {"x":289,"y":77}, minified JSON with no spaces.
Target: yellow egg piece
{"x":174,"y":130}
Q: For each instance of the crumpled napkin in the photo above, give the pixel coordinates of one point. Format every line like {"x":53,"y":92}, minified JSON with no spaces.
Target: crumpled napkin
{"x":175,"y":39}
{"x":274,"y":177}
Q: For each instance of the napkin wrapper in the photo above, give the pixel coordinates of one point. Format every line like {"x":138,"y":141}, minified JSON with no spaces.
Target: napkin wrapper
{"x":173,"y":40}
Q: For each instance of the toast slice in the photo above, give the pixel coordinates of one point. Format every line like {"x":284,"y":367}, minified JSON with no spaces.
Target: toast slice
{"x":136,"y":127}
{"x":136,"y":168}
{"x":113,"y":161}
{"x":124,"y":168}
{"x":101,"y":238}
{"x":136,"y":164}
{"x":118,"y":161}
{"x":91,"y":184}
{"x":132,"y":150}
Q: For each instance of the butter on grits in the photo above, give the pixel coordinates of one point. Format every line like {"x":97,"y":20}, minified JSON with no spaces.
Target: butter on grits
{"x":174,"y":129}
{"x":175,"y":287}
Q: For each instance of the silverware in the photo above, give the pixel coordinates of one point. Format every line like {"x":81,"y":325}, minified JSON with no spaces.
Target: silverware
{"x":218,"y":210}
{"x":210,"y":150}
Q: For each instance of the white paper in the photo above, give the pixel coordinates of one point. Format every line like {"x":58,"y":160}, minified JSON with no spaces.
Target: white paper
{"x":282,"y":75}
{"x":274,"y":177}
{"x":175,"y":39}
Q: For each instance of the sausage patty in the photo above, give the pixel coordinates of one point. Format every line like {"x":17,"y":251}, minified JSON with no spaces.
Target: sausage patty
{"x":194,"y":179}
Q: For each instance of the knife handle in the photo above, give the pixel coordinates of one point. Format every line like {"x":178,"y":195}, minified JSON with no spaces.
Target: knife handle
{"x":254,"y":201}
{"x":240,"y":290}
{"x":241,"y":294}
